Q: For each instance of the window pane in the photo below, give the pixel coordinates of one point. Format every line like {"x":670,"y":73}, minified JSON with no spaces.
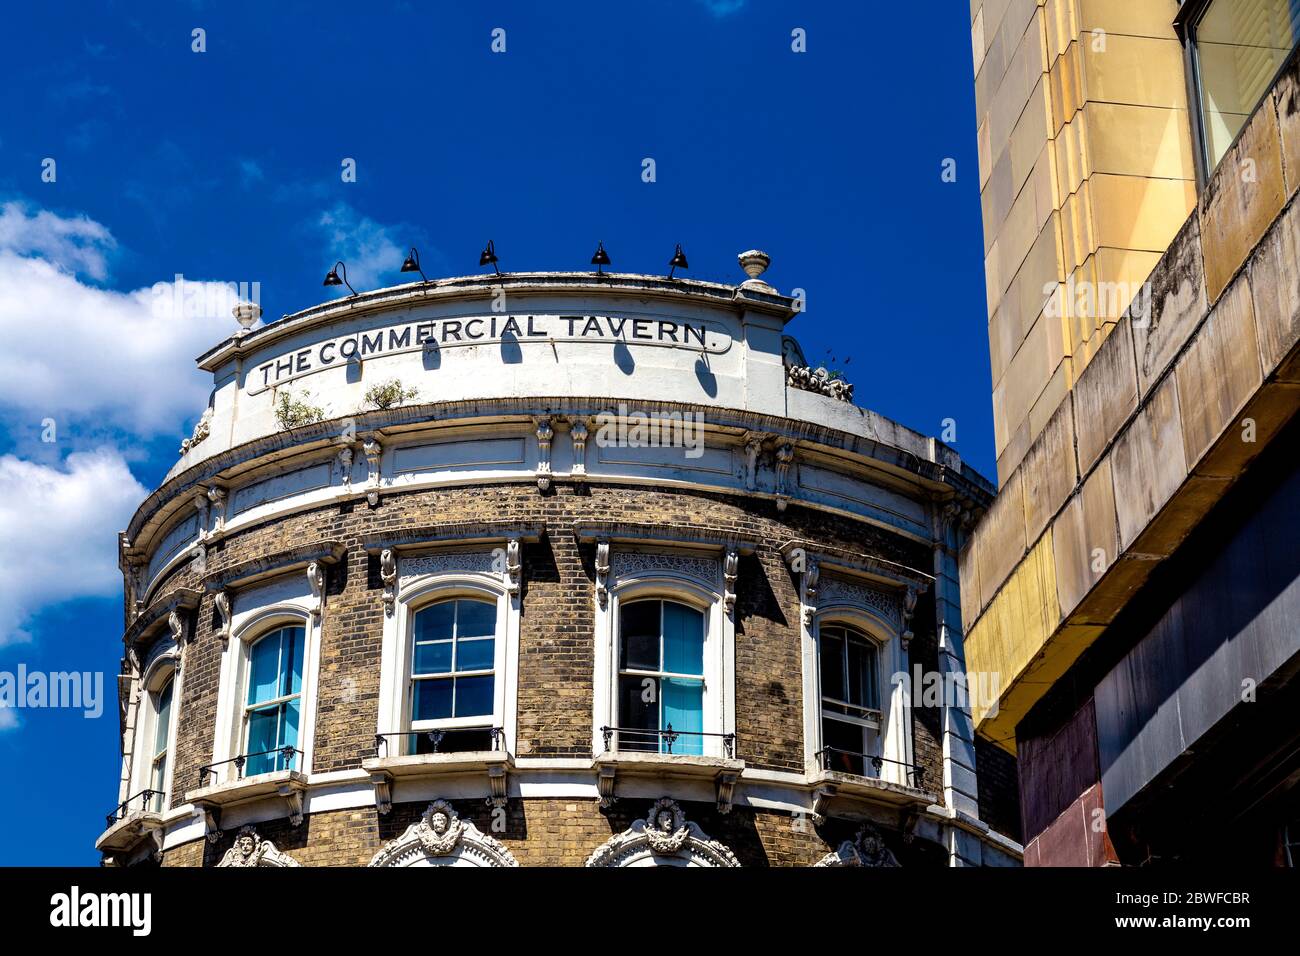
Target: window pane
{"x":433,"y":658}
{"x":684,"y":711}
{"x":863,"y":687}
{"x":432,"y":700}
{"x":162,"y":725}
{"x":832,"y":663}
{"x":289,"y":728}
{"x":476,"y":619}
{"x":264,"y":669}
{"x":846,"y":739}
{"x":263,"y":727}
{"x":639,"y":635}
{"x":474,"y":696}
{"x":475,"y":655}
{"x":454,"y":741}
{"x":638,"y":709}
{"x":683,"y":639}
{"x":293,"y":638}
{"x":435,"y":622}
{"x":159,"y":778}
{"x":1240,"y":45}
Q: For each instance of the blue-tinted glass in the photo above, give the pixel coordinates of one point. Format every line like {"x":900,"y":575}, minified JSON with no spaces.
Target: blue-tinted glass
{"x":862,"y":674}
{"x":474,"y":696}
{"x":639,"y":636}
{"x":263,"y":727}
{"x":433,"y":658}
{"x":435,"y":622}
{"x":476,"y":619}
{"x":163,"y":724}
{"x":432,"y":700}
{"x":684,"y":711}
{"x":294,"y":638}
{"x":289,"y":726}
{"x":264,"y":669}
{"x":683,"y":639}
{"x":475,"y":655}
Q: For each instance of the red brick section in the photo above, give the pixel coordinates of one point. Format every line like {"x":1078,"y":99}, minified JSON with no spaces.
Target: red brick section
{"x":556,"y":642}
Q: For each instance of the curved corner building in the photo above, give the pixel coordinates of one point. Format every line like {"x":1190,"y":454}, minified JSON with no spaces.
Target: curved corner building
{"x":549,"y":569}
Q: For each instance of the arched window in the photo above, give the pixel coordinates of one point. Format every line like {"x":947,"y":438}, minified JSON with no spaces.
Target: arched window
{"x":850,"y":698}
{"x":453,"y":677}
{"x":273,"y":700}
{"x":660,"y":677}
{"x":161,"y":702}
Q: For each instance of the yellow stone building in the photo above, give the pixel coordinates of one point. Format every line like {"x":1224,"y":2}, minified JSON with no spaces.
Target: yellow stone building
{"x":1130,"y":593}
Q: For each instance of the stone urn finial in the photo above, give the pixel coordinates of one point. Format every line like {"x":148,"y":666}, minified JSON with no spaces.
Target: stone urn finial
{"x":246,"y":313}
{"x":754,"y":262}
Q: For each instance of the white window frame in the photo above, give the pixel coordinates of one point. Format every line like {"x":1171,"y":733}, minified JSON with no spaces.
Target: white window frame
{"x":415,"y":593}
{"x":246,"y":709}
{"x":163,"y":670}
{"x":895,"y":703}
{"x":255,"y":614}
{"x":719,"y":715}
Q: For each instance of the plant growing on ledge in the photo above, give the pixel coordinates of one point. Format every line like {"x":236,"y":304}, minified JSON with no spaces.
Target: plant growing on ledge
{"x":389,"y":394}
{"x":293,"y":412}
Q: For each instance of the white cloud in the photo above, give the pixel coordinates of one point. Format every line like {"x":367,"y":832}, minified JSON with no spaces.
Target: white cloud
{"x":58,"y":533}
{"x":77,"y":244}
{"x":75,"y":352}
{"x":371,"y":252}
{"x":8,"y":718}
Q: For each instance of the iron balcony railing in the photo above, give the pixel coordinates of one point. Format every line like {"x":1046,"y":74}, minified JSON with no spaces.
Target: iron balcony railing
{"x":826,"y":759}
{"x":289,"y":754}
{"x":436,"y":737}
{"x":641,"y":740}
{"x":145,"y":797}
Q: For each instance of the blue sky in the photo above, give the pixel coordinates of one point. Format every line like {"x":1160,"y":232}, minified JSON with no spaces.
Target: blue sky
{"x":224,"y":166}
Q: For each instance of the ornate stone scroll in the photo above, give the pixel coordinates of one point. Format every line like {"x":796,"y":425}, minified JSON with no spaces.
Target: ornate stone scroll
{"x":867,"y":848}
{"x":664,"y":838}
{"x":442,"y":838}
{"x":251,"y":850}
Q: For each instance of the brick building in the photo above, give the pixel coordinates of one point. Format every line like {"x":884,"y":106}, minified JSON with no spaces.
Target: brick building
{"x":1134,"y":588}
{"x":549,"y":569}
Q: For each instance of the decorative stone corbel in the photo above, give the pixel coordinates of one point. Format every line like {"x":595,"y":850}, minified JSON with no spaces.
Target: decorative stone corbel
{"x":821,"y":799}
{"x":211,"y":815}
{"x":388,"y":574}
{"x":753,"y":448}
{"x":201,"y":505}
{"x":602,"y":572}
{"x":346,"y":455}
{"x":497,"y":783}
{"x":382,"y":781}
{"x":293,"y":800}
{"x":135,"y":572}
{"x":514,"y":565}
{"x":730,"y":569}
{"x":605,"y":786}
{"x":544,"y":435}
{"x":176,"y":624}
{"x":373,"y":451}
{"x":217,"y":498}
{"x":222,"y":601}
{"x":726,"y":783}
{"x":811,"y":579}
{"x":316,"y":581}
{"x":909,"y":607}
{"x":579,"y":434}
{"x":784,"y":458}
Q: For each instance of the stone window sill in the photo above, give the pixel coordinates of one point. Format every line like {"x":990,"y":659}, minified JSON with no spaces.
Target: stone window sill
{"x":829,"y":784}
{"x":130,"y":831}
{"x":724,"y":772}
{"x":494,"y":765}
{"x":210,"y":801}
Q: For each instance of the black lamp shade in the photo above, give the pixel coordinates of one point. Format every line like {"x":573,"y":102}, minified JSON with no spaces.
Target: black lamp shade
{"x":678,"y":261}
{"x":488,"y":256}
{"x":601,"y":258}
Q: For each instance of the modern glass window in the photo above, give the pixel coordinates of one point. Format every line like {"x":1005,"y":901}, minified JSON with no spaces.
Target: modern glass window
{"x":453,"y":678}
{"x":850,"y":692}
{"x":1239,"y":46}
{"x":660,"y":677}
{"x":162,"y":725}
{"x":273,"y":703}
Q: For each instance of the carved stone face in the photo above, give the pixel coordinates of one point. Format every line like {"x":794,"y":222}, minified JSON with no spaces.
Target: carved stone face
{"x":439,"y":823}
{"x":872,"y":844}
{"x":665,"y":820}
{"x":246,"y":845}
